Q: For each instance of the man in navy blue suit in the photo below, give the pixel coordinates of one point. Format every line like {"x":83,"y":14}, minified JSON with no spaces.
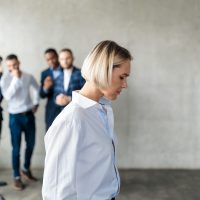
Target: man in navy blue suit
{"x":48,"y":77}
{"x":57,"y":84}
{"x":71,"y":79}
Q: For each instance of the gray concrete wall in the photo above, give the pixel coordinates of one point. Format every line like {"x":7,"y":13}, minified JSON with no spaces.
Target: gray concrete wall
{"x":157,"y":117}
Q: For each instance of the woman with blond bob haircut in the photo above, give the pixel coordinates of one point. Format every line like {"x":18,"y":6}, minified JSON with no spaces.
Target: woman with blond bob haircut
{"x":80,"y":161}
{"x":98,"y":65}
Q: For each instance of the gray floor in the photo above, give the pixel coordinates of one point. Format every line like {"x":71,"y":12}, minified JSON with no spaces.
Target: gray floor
{"x":136,"y":185}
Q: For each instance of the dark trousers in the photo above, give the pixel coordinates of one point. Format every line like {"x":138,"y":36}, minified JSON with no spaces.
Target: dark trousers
{"x":19,"y":123}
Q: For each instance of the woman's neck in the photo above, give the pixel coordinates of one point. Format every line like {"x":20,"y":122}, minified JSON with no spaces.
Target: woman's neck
{"x":91,"y":92}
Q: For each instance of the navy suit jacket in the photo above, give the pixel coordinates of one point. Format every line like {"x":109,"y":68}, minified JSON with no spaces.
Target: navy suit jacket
{"x":52,"y":109}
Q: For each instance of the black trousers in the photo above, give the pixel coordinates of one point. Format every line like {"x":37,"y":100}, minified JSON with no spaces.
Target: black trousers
{"x":113,"y":199}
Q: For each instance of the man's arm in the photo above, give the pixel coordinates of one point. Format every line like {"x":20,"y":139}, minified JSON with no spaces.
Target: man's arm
{"x":35,"y":96}
{"x":1,"y":96}
{"x":10,"y":89}
{"x":46,"y":86}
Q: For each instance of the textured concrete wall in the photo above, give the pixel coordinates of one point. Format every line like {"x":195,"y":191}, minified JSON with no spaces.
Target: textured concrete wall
{"x":157,"y":117}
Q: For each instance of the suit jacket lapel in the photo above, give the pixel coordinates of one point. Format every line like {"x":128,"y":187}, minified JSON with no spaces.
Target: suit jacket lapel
{"x":50,"y":73}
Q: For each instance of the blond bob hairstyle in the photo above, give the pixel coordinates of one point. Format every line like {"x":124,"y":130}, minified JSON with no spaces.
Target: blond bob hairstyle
{"x":99,"y":64}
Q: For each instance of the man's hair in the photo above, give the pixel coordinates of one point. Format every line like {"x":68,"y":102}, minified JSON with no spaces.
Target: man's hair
{"x":12,"y":57}
{"x":1,"y":59}
{"x":67,"y":50}
{"x":51,"y":50}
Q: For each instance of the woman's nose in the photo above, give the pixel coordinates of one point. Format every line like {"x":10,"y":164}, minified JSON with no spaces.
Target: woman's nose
{"x":124,"y":84}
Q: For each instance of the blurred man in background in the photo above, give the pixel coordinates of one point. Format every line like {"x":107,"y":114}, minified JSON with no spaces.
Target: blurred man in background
{"x":1,"y":96}
{"x":16,"y":86}
{"x":71,"y":79}
{"x":49,"y":84}
{"x":2,"y":183}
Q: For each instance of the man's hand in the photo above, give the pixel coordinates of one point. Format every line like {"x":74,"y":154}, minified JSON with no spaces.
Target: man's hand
{"x":34,"y":109}
{"x":16,"y":73}
{"x":48,"y":83}
{"x":62,"y":100}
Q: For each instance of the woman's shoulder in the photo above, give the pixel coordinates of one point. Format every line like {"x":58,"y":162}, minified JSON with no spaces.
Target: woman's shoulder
{"x":70,"y":118}
{"x":71,"y":113}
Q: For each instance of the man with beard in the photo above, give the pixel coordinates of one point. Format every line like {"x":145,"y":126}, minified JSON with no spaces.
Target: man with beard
{"x":21,"y":91}
{"x":71,"y":79}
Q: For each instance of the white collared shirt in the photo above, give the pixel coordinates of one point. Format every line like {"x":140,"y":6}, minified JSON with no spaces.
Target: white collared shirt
{"x":80,"y":153}
{"x":67,"y":76}
{"x":21,"y":93}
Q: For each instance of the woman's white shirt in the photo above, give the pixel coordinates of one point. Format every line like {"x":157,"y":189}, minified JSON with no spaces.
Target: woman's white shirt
{"x":80,"y":159}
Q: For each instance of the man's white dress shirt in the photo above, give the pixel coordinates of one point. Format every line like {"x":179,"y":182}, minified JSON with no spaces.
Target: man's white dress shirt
{"x":67,"y":76}
{"x":80,"y":153}
{"x":21,"y":93}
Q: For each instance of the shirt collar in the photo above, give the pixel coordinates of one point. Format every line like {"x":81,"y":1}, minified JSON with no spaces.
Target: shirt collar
{"x":68,"y":71}
{"x":58,"y":69}
{"x":86,"y":102}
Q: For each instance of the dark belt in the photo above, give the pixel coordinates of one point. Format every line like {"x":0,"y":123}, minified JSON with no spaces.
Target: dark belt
{"x":25,"y":113}
{"x":113,"y":199}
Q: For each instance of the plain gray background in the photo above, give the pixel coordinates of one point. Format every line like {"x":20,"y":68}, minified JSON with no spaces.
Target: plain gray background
{"x":157,"y":118}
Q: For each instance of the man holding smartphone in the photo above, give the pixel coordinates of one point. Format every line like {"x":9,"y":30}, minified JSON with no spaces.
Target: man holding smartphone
{"x":21,"y":91}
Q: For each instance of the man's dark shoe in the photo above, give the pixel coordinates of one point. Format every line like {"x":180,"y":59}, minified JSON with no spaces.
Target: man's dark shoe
{"x":1,"y":197}
{"x":18,"y":185}
{"x":2,"y":183}
{"x":28,"y":175}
